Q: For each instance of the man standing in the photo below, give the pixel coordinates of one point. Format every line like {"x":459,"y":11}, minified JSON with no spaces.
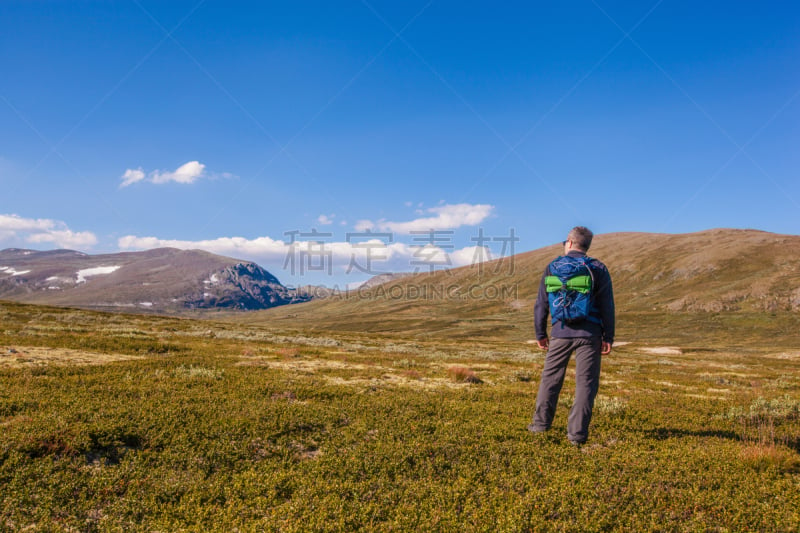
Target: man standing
{"x":585,"y":327}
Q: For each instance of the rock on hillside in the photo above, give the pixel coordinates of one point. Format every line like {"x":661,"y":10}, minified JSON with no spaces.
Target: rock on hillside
{"x":380,"y":279}
{"x":164,"y":279}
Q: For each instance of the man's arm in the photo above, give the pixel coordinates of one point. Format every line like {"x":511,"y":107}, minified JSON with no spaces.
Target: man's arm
{"x":604,"y":300}
{"x":540,"y":313}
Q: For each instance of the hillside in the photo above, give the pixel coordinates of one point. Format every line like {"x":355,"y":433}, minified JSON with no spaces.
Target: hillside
{"x":663,"y":279}
{"x":162,"y":280}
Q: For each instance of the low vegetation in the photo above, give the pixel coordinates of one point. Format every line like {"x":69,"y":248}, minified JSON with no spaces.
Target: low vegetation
{"x":135,"y":423}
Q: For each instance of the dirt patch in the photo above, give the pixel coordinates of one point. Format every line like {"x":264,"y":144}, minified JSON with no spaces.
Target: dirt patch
{"x":308,"y":365}
{"x":398,"y":381}
{"x":22,"y":356}
{"x":663,"y":350}
{"x":671,"y":384}
{"x":706,"y":397}
{"x":791,"y":356}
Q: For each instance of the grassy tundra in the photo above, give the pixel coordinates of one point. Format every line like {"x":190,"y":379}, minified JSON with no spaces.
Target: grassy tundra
{"x":134,"y":423}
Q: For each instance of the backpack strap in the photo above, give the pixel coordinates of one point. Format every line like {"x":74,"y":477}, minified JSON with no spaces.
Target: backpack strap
{"x":587,"y":262}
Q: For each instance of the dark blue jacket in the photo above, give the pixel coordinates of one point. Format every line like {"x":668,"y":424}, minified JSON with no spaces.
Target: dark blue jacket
{"x":603,"y":301}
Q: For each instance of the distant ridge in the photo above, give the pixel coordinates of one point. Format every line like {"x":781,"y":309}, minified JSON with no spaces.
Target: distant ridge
{"x":713,"y":271}
{"x":158,"y":280}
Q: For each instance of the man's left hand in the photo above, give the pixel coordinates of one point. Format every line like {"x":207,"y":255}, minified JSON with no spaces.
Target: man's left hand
{"x":605,"y":348}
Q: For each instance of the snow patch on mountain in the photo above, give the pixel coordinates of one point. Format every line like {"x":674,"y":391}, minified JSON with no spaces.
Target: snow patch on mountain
{"x":95,"y":271}
{"x":11,"y":271}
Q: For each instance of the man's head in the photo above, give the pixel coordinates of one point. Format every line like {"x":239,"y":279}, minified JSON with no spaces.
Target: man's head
{"x":579,"y":238}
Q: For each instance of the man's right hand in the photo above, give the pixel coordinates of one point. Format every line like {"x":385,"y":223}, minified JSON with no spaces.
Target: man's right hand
{"x":543,"y":343}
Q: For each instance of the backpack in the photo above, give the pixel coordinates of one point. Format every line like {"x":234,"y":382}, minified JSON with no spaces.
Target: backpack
{"x":570,"y":290}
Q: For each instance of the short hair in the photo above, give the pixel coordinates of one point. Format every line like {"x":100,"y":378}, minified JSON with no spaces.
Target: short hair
{"x":581,"y":237}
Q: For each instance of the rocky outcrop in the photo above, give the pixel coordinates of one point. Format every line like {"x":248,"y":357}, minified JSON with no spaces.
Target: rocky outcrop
{"x":245,"y":286}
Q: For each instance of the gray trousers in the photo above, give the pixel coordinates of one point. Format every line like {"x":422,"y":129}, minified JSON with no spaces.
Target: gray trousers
{"x":587,"y":381}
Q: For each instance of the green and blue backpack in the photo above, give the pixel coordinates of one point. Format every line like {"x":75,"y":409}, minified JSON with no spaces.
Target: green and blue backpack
{"x":570,"y":290}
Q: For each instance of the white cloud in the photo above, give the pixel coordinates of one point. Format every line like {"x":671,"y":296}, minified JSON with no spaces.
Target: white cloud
{"x":358,"y":257}
{"x":186,"y":174}
{"x":344,"y":257}
{"x":44,"y":230}
{"x":260,"y":247}
{"x":364,"y":225}
{"x":447,"y":216}
{"x":470,"y":255}
{"x":65,"y":238}
{"x":131,"y":176}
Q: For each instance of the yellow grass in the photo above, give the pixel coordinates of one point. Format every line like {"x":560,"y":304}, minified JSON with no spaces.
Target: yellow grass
{"x":26,"y":356}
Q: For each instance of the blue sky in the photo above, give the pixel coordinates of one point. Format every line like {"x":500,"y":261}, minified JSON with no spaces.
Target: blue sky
{"x":240,"y":127}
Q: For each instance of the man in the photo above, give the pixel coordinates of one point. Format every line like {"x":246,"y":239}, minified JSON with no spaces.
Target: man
{"x":588,"y":337}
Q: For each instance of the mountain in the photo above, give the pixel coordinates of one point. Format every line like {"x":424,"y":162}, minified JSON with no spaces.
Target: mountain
{"x":160,"y":280}
{"x":668,"y":281}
